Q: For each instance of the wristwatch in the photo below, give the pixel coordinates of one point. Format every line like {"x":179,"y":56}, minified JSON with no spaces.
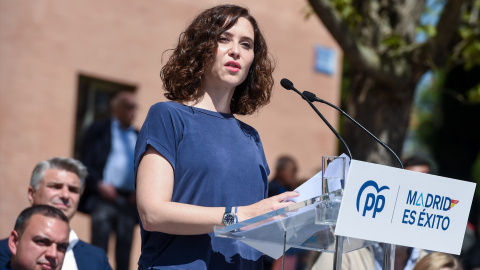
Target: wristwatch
{"x":229,"y":217}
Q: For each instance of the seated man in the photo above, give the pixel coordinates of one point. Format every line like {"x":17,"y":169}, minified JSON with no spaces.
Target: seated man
{"x":39,"y":239}
{"x":58,"y":182}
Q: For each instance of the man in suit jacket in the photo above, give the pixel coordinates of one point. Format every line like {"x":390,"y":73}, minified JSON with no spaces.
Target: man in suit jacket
{"x":58,"y":182}
{"x":39,"y":239}
{"x":107,"y":151}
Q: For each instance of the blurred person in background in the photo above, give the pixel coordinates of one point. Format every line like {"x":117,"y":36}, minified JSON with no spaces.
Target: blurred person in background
{"x":39,"y":239}
{"x":438,"y":261}
{"x":418,"y":164}
{"x":58,"y":182}
{"x":470,"y":257}
{"x":470,"y":252}
{"x":197,"y":165}
{"x":285,"y":177}
{"x":107,"y":150}
{"x":407,"y":257}
{"x":361,"y":259}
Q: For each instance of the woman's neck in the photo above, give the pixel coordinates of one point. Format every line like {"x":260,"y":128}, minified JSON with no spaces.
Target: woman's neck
{"x":214,"y":100}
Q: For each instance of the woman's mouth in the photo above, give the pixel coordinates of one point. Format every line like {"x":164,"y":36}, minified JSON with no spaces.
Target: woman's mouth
{"x":233,"y":66}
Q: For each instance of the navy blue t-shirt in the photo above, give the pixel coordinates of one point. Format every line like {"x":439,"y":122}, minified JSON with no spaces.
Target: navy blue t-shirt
{"x":218,"y":161}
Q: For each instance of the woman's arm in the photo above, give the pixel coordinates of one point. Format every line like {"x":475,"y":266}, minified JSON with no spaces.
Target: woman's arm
{"x":159,"y":213}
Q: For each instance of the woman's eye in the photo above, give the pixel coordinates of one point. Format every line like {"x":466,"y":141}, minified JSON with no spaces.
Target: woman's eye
{"x":247,"y":45}
{"x":223,"y":39}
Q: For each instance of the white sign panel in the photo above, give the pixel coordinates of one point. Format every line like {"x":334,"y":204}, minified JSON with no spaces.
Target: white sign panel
{"x":402,"y":207}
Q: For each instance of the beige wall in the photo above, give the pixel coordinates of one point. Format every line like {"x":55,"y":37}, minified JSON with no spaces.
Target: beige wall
{"x":45,"y":44}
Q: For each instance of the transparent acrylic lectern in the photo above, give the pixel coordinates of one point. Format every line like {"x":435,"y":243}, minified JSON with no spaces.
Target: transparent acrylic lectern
{"x":292,"y":226}
{"x":308,"y":224}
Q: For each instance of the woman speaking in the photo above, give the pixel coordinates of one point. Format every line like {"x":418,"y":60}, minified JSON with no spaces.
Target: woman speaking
{"x":197,"y":166}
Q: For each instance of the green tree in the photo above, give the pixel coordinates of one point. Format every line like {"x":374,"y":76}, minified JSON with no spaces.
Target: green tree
{"x":386,"y":62}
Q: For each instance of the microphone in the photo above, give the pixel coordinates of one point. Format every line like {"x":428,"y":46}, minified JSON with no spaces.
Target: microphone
{"x":389,"y":249}
{"x":287,"y":84}
{"x":312,"y":97}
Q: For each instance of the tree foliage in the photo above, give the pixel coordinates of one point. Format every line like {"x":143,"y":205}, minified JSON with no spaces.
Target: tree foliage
{"x":378,"y":39}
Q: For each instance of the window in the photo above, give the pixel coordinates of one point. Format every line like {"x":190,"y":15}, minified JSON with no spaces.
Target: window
{"x":93,"y":103}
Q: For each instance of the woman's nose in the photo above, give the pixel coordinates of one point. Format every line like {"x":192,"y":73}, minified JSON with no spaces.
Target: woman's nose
{"x":234,"y":51}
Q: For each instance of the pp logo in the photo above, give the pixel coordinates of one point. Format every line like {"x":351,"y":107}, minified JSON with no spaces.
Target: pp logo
{"x":373,"y":202}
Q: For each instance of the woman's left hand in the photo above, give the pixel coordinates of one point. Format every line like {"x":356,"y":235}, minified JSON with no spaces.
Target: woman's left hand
{"x":265,"y":205}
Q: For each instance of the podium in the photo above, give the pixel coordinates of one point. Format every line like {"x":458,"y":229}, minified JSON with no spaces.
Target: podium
{"x":293,"y":226}
{"x":379,"y":203}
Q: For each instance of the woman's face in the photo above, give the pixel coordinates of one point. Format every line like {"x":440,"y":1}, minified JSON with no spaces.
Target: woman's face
{"x":233,"y":57}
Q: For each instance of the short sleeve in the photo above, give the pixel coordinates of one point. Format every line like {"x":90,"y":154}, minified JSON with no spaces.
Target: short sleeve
{"x":161,"y":131}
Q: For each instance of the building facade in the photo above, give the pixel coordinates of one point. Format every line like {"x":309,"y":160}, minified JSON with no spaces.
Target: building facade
{"x":60,"y":60}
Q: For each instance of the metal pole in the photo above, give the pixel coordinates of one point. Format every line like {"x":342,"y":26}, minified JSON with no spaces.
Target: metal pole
{"x":388,"y":256}
{"x":284,"y":247}
{"x":337,"y":259}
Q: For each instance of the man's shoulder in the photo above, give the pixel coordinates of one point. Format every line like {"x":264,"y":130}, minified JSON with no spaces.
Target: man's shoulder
{"x":7,"y":266}
{"x":4,"y":243}
{"x":89,"y":256}
{"x":101,"y":124}
{"x":97,"y":133}
{"x":5,"y":253}
{"x":85,"y":247}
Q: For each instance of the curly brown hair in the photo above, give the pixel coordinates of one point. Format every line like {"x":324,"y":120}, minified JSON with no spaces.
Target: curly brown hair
{"x":182,"y":74}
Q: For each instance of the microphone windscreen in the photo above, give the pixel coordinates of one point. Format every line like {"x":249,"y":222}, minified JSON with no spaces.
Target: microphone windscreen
{"x":309,"y":95}
{"x":287,"y":84}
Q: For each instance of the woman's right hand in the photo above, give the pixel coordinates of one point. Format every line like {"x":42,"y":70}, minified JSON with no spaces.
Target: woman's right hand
{"x":265,"y":205}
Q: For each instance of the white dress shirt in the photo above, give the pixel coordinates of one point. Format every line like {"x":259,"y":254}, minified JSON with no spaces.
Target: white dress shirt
{"x":69,"y":262}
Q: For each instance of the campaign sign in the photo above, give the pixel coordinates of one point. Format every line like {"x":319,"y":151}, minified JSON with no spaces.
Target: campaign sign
{"x":402,"y":207}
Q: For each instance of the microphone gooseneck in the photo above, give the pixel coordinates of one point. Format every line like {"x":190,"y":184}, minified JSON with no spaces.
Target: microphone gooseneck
{"x":312,"y":97}
{"x":287,"y":84}
{"x":389,"y":248}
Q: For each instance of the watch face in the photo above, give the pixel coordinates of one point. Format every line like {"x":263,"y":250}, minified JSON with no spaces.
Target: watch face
{"x":228,"y":219}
